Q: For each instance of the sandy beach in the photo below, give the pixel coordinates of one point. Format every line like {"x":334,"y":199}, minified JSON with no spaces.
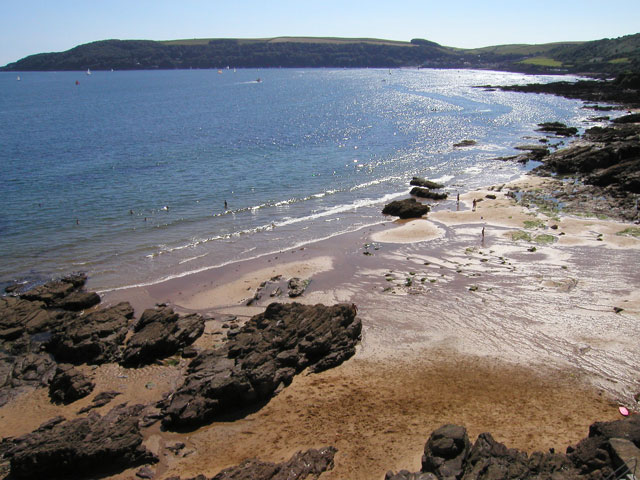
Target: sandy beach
{"x":531,"y":336}
{"x":516,"y":337}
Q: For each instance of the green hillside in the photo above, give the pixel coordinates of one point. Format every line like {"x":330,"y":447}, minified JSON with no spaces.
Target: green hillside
{"x":604,"y":57}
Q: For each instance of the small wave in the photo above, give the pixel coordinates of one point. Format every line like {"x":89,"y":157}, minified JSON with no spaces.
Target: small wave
{"x":230,"y":262}
{"x":443,"y":178}
{"x":192,"y":258}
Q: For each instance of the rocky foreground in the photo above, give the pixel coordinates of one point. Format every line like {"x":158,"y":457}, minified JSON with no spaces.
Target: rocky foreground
{"x":47,"y":331}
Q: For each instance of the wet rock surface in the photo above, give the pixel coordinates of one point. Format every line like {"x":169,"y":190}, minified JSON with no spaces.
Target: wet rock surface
{"x":260,"y":358}
{"x":423,"y":182}
{"x":409,"y":208}
{"x":426,"y":193}
{"x":80,"y":447}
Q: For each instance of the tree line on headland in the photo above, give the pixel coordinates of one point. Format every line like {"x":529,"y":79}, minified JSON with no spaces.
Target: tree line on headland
{"x":607,"y":56}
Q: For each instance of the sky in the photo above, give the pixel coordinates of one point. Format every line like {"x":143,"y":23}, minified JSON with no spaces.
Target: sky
{"x":34,"y":26}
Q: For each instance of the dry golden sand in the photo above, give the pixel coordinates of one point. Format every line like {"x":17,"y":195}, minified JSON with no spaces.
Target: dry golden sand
{"x":534,"y":356}
{"x":378,"y":414}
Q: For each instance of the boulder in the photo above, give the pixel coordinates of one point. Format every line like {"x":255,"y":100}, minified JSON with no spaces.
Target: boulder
{"x":445,"y":452}
{"x":160,"y":333}
{"x":69,"y":385}
{"x":94,"y":338}
{"x":426,"y":193}
{"x":84,"y":447}
{"x":260,"y":358}
{"x":297,"y":286}
{"x":422,"y":182}
{"x":409,"y":208}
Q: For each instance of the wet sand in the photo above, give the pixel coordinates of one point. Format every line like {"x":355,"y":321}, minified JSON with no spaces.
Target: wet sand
{"x":516,"y":337}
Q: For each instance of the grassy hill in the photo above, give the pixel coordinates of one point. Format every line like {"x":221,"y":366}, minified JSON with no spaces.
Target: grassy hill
{"x":607,"y":56}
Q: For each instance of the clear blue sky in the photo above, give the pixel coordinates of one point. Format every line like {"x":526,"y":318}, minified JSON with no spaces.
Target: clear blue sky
{"x":34,"y":26}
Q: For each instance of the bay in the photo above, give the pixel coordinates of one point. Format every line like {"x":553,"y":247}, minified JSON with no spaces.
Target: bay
{"x":125,"y":175}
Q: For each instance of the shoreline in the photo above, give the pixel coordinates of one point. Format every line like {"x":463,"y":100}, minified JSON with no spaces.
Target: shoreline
{"x":421,"y":358}
{"x":496,"y":338}
{"x":496,"y":314}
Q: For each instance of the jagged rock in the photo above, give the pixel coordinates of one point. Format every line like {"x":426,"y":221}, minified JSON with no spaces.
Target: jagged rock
{"x":77,"y":301}
{"x":160,"y":333}
{"x":535,"y":152}
{"x":100,"y":400}
{"x":448,"y":455}
{"x":69,"y":385}
{"x":23,"y":372}
{"x":557,"y":128}
{"x":445,"y":452}
{"x":86,"y":446}
{"x":55,"y":290}
{"x":426,"y":193}
{"x":409,"y":208}
{"x":93,"y":338}
{"x":260,"y":358}
{"x":18,"y":316}
{"x":631,"y":118}
{"x":297,"y":286}
{"x":303,"y":465}
{"x":422,"y":182}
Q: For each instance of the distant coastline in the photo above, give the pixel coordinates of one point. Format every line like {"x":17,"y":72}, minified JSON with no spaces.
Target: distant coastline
{"x":599,"y":57}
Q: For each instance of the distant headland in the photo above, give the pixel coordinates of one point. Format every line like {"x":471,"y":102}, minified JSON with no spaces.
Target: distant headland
{"x":599,"y":57}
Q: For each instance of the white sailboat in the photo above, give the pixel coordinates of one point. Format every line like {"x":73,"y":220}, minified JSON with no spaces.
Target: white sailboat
{"x":88,"y":71}
{"x":18,"y":78}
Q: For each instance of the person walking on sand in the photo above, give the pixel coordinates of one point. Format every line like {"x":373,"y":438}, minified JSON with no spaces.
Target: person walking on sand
{"x":475,"y":202}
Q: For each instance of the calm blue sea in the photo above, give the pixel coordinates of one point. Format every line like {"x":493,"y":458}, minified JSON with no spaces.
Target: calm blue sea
{"x":125,"y":175}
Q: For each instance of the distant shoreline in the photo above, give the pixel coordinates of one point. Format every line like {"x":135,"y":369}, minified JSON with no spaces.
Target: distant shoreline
{"x":589,"y":58}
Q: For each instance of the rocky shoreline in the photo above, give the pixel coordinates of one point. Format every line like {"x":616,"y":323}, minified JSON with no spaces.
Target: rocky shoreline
{"x":52,"y":336}
{"x":46,"y":329}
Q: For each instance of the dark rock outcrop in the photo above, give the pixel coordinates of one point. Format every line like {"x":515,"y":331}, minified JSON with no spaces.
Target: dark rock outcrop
{"x":445,"y":452}
{"x":449,"y":455}
{"x":100,"y":400}
{"x":465,"y":143}
{"x":426,"y":193}
{"x":160,"y":333}
{"x":82,"y":447}
{"x":260,"y":358}
{"x":69,"y":385}
{"x":423,"y":182}
{"x":557,"y":128}
{"x":23,"y":372}
{"x":94,"y":338}
{"x":302,"y":466}
{"x":409,"y":208}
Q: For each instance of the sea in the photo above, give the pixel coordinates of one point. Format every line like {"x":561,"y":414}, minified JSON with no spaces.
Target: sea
{"x":135,"y":177}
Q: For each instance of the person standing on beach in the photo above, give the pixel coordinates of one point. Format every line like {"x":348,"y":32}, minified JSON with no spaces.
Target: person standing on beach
{"x":475,"y":202}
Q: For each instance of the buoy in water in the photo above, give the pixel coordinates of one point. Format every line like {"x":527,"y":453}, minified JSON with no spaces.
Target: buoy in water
{"x":77,"y":82}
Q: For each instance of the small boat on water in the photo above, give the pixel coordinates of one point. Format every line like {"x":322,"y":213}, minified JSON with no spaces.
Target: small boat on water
{"x":88,"y":71}
{"x":18,"y":78}
{"x":258,"y":80}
